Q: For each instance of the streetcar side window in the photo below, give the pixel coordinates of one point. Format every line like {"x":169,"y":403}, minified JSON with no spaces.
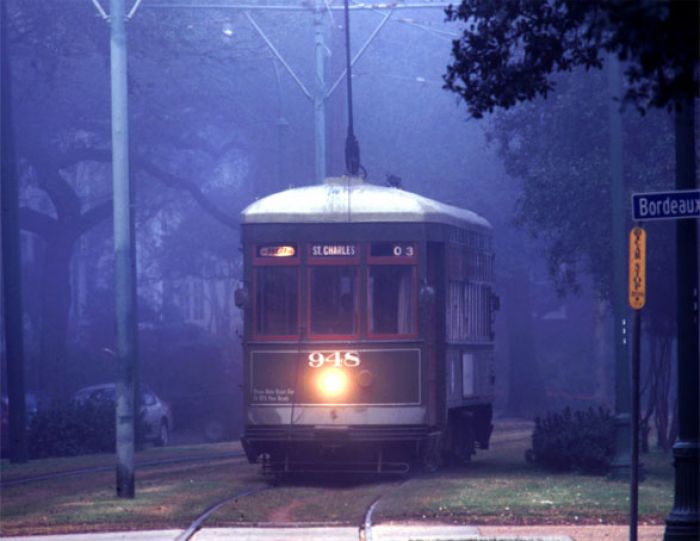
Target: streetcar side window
{"x":277,"y":301}
{"x":391,"y":300}
{"x":333,"y":303}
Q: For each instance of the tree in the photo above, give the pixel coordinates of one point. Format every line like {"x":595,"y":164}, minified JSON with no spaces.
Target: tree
{"x":556,"y":149}
{"x":509,"y":49}
{"x":507,"y":54}
{"x":63,"y":146}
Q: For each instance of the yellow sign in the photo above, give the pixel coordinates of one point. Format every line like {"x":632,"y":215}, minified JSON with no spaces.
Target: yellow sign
{"x":637,"y":268}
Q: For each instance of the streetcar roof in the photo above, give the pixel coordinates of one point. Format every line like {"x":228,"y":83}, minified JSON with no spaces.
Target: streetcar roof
{"x":351,"y":200}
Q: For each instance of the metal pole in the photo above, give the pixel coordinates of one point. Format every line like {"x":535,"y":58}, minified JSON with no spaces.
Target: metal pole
{"x":620,"y":466}
{"x":320,"y":92}
{"x":123,"y":254}
{"x":682,"y":522}
{"x":11,"y":264}
{"x":634,"y":484}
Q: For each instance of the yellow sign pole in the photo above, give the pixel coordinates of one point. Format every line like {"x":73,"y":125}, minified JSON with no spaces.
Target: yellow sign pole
{"x":637,"y":268}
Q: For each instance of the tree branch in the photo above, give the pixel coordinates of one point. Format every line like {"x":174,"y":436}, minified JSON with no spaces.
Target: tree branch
{"x":178,"y":183}
{"x":78,"y":155}
{"x":36,"y":222}
{"x":94,"y":216}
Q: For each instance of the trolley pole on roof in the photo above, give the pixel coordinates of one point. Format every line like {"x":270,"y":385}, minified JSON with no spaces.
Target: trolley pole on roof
{"x":321,"y":91}
{"x":320,"y":51}
{"x":125,"y":268}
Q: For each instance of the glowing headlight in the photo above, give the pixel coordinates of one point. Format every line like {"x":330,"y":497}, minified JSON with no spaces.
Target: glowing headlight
{"x":332,"y":382}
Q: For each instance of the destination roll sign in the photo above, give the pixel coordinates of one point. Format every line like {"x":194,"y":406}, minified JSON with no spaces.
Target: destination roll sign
{"x":673,"y":205}
{"x":333,"y":250}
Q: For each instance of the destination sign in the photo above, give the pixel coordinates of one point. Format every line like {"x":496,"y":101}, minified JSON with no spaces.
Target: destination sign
{"x":333,"y":250}
{"x":277,"y":250}
{"x":666,"y":205}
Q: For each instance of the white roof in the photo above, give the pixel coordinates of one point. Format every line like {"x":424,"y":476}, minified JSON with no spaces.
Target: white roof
{"x":351,"y":200}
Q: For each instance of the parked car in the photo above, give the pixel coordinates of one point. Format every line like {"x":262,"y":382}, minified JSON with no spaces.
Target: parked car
{"x":156,"y":413}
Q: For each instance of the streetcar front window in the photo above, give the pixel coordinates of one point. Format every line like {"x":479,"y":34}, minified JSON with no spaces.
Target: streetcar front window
{"x":277,"y":301}
{"x":333,"y":300}
{"x":392,"y":300}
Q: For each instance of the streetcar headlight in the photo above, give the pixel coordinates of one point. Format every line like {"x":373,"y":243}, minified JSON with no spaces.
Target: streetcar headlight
{"x":332,"y":382}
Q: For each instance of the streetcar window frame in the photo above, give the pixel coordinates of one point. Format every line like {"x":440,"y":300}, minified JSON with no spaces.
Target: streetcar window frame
{"x":406,"y":261}
{"x":262,"y":262}
{"x":341,"y":262}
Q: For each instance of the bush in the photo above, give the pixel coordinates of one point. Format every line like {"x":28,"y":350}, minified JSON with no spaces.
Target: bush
{"x":582,"y":441}
{"x":76,"y":429}
{"x":72,"y":429}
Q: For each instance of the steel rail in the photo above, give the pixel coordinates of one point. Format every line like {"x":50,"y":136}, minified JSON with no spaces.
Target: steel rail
{"x":196,"y":524}
{"x":365,"y":529}
{"x":366,"y":526}
{"x":100,"y":469}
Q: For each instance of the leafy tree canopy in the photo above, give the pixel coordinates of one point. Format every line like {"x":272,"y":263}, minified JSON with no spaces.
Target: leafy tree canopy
{"x":559,"y":152}
{"x":510,"y":49}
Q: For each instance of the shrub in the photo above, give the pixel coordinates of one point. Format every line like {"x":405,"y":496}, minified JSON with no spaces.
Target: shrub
{"x":76,"y":429}
{"x":72,"y":429}
{"x":582,"y":441}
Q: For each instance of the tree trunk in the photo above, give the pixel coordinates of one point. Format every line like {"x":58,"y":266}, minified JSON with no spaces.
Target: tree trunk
{"x":11,"y":264}
{"x":56,"y":303}
{"x":525,"y":388}
{"x":603,"y":391}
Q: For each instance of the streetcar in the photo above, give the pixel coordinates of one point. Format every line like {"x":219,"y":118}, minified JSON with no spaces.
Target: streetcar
{"x":368,"y":329}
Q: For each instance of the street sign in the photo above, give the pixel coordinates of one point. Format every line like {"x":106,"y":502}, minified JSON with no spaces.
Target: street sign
{"x":672,"y":205}
{"x":637,"y":268}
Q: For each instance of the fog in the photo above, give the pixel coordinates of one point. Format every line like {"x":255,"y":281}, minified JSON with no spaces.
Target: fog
{"x":216,"y":121}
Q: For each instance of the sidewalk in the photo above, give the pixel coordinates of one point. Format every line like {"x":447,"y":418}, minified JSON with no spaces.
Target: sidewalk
{"x":381,"y":532}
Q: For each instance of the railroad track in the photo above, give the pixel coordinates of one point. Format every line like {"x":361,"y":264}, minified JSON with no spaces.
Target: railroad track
{"x":100,"y":469}
{"x":197,"y":523}
{"x":364,"y":528}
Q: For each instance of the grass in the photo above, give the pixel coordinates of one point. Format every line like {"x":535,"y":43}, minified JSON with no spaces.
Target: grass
{"x":339,"y":502}
{"x":32,"y":468}
{"x":498,"y":487}
{"x":168,"y":496}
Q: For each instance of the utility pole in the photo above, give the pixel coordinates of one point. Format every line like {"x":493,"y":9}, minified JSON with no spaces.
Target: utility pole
{"x":683,"y":522}
{"x":621,"y":463}
{"x":11,"y":263}
{"x":125,"y":269}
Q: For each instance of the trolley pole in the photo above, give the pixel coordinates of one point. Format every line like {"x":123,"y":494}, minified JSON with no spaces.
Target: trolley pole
{"x":125,"y":279}
{"x":320,"y":92}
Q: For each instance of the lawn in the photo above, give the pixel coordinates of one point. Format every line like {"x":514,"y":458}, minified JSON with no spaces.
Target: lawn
{"x":498,"y":487}
{"x":168,"y":496}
